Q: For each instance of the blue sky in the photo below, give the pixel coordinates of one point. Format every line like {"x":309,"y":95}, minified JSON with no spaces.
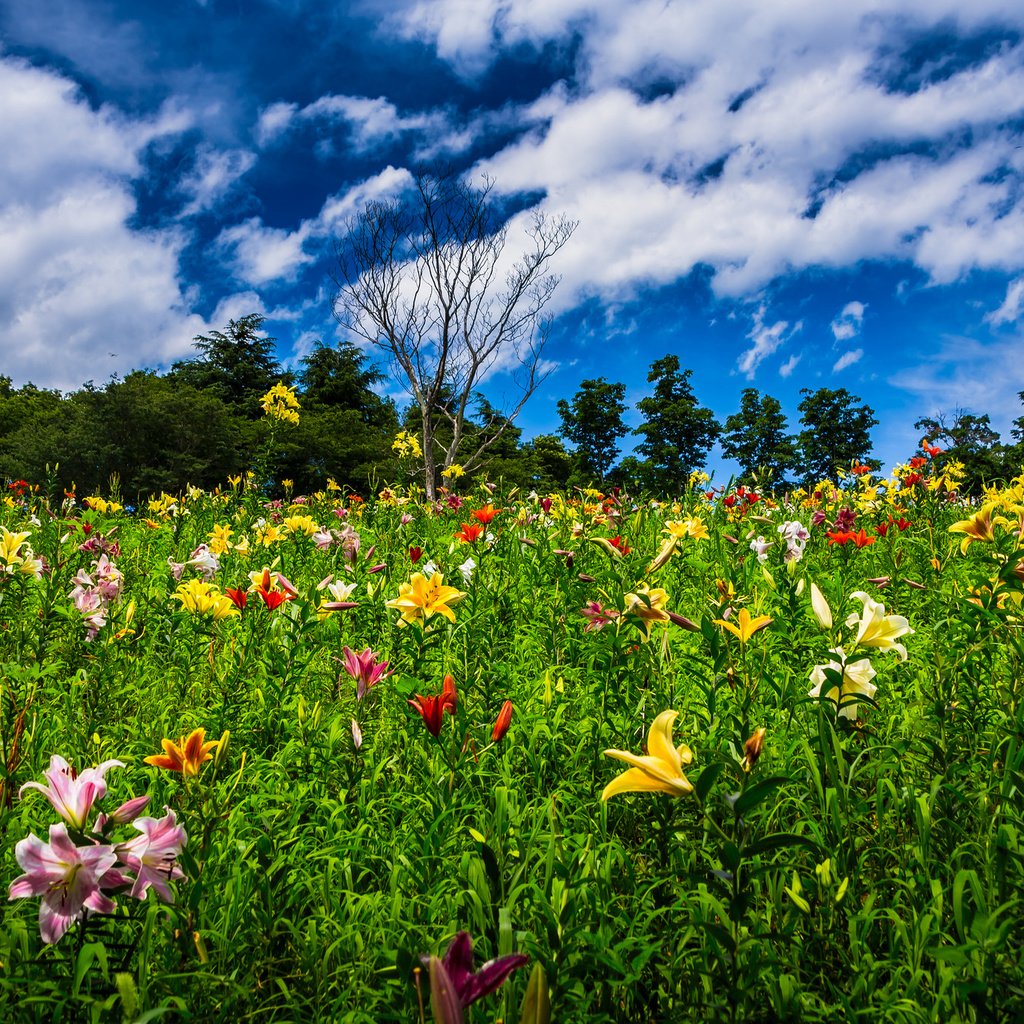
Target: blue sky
{"x":785,"y":193}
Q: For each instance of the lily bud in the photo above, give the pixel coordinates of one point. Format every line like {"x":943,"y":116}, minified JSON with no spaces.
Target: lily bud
{"x":822,"y":612}
{"x":584,"y":578}
{"x":752,"y":750}
{"x":682,"y":620}
{"x":504,"y":720}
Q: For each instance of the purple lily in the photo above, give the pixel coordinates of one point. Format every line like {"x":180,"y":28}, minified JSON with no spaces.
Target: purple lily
{"x":470,"y":985}
{"x":364,"y":669}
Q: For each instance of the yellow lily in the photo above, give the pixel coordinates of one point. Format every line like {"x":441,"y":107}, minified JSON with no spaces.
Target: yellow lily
{"x":421,"y":599}
{"x":660,"y":770}
{"x":976,"y":527}
{"x":745,"y":626}
{"x":648,"y":605}
{"x":876,"y":629}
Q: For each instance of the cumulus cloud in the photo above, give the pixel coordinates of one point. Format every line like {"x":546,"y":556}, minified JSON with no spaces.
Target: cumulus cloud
{"x":787,"y":368}
{"x":75,"y":277}
{"x":214,"y":176}
{"x":847,"y":359}
{"x":847,"y":323}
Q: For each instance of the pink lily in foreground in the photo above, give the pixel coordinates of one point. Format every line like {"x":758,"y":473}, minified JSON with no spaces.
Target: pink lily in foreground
{"x":71,"y":793}
{"x":68,"y":878}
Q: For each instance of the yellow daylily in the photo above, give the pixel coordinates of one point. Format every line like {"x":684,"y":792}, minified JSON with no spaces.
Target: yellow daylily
{"x":976,"y":527}
{"x":420,"y":599}
{"x":660,"y":770}
{"x":876,"y":629}
{"x":200,"y":598}
{"x":745,"y":626}
{"x":10,"y":544}
{"x":648,"y":605}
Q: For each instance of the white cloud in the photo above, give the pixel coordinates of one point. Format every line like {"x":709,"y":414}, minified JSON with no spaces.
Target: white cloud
{"x":82,"y":293}
{"x":1009,"y":312}
{"x":214,"y":176}
{"x":787,"y":368}
{"x":847,"y":359}
{"x":766,"y":340}
{"x":848,"y":322}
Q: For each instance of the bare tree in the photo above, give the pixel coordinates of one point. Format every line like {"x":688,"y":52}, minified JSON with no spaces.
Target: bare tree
{"x":426,"y":280}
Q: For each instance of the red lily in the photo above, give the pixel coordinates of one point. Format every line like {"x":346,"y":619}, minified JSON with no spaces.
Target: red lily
{"x":504,"y":720}
{"x":237,"y":595}
{"x":861,"y":539}
{"x":432,"y":709}
{"x":484,"y":515}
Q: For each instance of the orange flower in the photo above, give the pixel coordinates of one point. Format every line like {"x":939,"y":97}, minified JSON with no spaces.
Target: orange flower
{"x":185,"y":756}
{"x":484,"y":515}
{"x":503,"y":722}
{"x":470,"y":533}
{"x":432,"y":709}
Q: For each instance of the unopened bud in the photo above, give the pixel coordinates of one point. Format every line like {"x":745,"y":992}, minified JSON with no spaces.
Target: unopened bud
{"x":752,"y":749}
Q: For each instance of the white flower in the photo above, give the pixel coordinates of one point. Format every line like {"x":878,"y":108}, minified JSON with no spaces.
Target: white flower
{"x":760,"y":548}
{"x":467,"y":568}
{"x":856,"y":680}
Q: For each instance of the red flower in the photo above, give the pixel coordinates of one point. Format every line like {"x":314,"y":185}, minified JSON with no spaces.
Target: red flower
{"x":415,"y":554}
{"x":882,"y":528}
{"x":859,"y":468}
{"x":911,"y":478}
{"x":238,"y":597}
{"x":504,"y":720}
{"x":752,"y":498}
{"x":432,"y":708}
{"x":840,"y":537}
{"x":470,"y":533}
{"x":484,"y":515}
{"x":729,"y":500}
{"x":918,"y":461}
{"x":620,"y":545}
{"x":902,"y":523}
{"x":861,"y":539}
{"x":929,"y":449}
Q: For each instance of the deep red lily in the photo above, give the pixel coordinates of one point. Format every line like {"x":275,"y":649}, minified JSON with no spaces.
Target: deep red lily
{"x":432,"y":709}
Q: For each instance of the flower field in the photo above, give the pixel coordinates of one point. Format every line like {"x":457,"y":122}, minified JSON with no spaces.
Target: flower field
{"x":579,"y":757}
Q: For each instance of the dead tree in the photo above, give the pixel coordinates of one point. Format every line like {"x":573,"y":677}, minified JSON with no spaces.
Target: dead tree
{"x":426,"y":280}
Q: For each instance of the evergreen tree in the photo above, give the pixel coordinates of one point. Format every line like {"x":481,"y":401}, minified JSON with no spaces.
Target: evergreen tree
{"x":677,"y":432}
{"x":836,"y":433}
{"x":756,"y":438}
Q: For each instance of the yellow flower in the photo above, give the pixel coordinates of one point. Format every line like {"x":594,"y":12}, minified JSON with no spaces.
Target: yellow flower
{"x":649,"y":606}
{"x":453,"y":472}
{"x":280,"y":403}
{"x":406,"y":444}
{"x":187,"y":755}
{"x":10,"y":543}
{"x":220,"y":539}
{"x":420,"y":599}
{"x":746,"y":627}
{"x":976,"y":527}
{"x":202,"y":598}
{"x":660,"y":770}
{"x":876,"y":629}
{"x":305,"y":525}
{"x":266,"y":534}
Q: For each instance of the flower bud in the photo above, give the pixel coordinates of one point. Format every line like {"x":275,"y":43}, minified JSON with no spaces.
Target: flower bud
{"x":752,"y":749}
{"x":504,"y":720}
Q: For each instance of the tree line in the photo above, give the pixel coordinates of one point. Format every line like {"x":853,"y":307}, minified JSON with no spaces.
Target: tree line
{"x":201,"y":422}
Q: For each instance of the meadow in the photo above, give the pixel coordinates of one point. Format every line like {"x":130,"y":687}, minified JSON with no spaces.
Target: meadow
{"x":733,"y":757}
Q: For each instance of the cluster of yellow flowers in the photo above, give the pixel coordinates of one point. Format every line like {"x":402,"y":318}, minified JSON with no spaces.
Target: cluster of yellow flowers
{"x":16,"y":556}
{"x":406,"y":444}
{"x":202,"y":598}
{"x":280,"y":403}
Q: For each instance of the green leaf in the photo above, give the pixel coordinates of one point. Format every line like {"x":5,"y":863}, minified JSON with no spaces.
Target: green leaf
{"x":760,"y":791}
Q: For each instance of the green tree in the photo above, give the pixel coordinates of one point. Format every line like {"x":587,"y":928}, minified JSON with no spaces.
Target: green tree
{"x":593,"y":423}
{"x":548,"y":463}
{"x":239,"y":365}
{"x":972,"y":441}
{"x":677,"y":432}
{"x":757,"y":439}
{"x":836,"y":432}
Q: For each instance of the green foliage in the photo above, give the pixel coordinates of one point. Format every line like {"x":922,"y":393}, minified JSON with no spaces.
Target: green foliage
{"x":971,"y":441}
{"x":592,"y":422}
{"x":836,"y":433}
{"x":756,"y":438}
{"x":677,"y":432}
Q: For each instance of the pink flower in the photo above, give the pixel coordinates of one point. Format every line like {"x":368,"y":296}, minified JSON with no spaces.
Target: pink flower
{"x":599,"y":617}
{"x":364,"y":669}
{"x":152,"y":856}
{"x":72,"y":794}
{"x":68,"y":878}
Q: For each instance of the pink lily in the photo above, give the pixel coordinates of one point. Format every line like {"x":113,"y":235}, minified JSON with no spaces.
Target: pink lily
{"x":68,"y":878}
{"x":364,"y":669}
{"x":71,"y":793}
{"x":151,"y":856}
